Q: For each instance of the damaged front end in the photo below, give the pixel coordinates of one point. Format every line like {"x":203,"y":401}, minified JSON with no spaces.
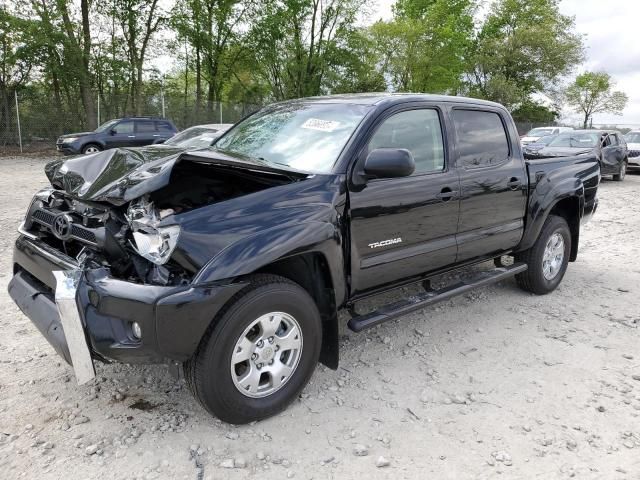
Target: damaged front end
{"x":128,"y":240}
{"x":95,"y":266}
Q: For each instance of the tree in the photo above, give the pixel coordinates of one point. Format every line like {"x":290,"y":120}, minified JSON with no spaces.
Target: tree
{"x":296,"y":43}
{"x":139,"y":20}
{"x":592,"y":92}
{"x":425,"y":47}
{"x":523,"y":47}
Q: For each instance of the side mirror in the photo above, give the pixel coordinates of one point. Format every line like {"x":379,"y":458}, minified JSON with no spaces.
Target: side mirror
{"x":112,"y":132}
{"x":389,"y":163}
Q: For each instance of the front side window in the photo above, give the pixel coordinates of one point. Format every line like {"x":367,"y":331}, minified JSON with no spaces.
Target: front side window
{"x":123,"y":127}
{"x":419,"y":132}
{"x":481,"y":138}
{"x":301,"y":135}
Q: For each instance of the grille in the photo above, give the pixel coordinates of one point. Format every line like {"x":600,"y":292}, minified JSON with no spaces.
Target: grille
{"x":634,"y":153}
{"x":46,"y":218}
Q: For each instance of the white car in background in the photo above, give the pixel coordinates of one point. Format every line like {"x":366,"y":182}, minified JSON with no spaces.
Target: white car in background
{"x":633,"y":147}
{"x":537,"y":133}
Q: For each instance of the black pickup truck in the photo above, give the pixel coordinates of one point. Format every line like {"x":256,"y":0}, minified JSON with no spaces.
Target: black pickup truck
{"x":233,"y":262}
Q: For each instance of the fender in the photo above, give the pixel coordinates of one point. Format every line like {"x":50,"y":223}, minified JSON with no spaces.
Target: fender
{"x":548,"y":192}
{"x":268,"y":246}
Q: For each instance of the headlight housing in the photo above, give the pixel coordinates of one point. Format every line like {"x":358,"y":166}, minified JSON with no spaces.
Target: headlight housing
{"x":156,"y":245}
{"x":151,"y":241}
{"x":69,"y":139}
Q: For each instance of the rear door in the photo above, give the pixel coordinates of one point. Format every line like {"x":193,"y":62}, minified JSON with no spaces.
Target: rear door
{"x":403,"y":227}
{"x":146,"y":133}
{"x":493,"y":182}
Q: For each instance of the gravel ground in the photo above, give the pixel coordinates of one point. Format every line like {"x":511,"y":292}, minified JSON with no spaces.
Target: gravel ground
{"x":494,"y":384}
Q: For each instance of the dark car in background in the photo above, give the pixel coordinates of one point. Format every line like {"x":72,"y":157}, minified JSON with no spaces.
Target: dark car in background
{"x":609,"y":146}
{"x":542,"y":142}
{"x":121,"y":132}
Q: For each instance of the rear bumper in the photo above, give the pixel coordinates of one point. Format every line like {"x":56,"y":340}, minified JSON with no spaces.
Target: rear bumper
{"x":173,"y":319}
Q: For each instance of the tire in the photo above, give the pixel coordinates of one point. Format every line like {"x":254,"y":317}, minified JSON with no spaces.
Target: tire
{"x":215,"y":378}
{"x":538,"y":279}
{"x":91,"y":148}
{"x":622,"y":173}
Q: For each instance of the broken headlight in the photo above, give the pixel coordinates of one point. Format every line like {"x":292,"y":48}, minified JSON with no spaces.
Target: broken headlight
{"x":151,"y":241}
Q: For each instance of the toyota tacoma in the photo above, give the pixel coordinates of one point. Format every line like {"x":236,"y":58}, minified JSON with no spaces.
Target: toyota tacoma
{"x":232,"y":262}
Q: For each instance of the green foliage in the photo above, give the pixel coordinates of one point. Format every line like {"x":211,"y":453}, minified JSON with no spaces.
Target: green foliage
{"x":523,"y":47}
{"x":533,"y":112}
{"x":425,"y":48}
{"x":592,"y":92}
{"x":80,"y":54}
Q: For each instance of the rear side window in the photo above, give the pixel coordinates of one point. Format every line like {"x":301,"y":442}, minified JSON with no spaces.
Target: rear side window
{"x":482,"y":140}
{"x":143,"y":126}
{"x":419,"y":132}
{"x":164,"y":127}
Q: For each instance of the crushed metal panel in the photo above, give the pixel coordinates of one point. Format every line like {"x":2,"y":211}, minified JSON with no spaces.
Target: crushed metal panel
{"x":66,"y":288}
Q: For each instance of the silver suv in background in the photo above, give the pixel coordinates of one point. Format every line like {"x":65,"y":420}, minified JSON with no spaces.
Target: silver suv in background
{"x":536,"y":134}
{"x":633,"y":146}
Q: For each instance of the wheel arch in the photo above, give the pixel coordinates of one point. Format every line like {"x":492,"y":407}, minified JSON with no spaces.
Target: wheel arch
{"x":569,"y":209}
{"x":311,"y":271}
{"x":569,"y":205}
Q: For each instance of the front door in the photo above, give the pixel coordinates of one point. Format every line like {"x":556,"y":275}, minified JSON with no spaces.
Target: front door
{"x":404,"y":227}
{"x":493,"y":182}
{"x":121,"y":135}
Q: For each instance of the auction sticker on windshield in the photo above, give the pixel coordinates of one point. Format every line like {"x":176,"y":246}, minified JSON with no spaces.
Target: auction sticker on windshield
{"x":321,"y":125}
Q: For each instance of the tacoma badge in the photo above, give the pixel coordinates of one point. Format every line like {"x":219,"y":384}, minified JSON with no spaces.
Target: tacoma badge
{"x":384,"y":243}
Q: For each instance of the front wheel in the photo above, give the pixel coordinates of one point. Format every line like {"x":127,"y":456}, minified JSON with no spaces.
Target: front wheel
{"x":91,"y":148}
{"x":622,"y":173}
{"x":260,"y":352}
{"x":547,"y":258}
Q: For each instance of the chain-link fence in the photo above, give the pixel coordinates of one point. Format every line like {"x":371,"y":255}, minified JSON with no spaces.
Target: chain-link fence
{"x":34,"y":122}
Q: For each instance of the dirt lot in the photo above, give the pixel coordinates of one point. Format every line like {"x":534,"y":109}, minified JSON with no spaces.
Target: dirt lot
{"x":494,"y":384}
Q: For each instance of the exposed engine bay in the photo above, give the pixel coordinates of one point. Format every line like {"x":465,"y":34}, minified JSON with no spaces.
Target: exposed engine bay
{"x":135,"y":240}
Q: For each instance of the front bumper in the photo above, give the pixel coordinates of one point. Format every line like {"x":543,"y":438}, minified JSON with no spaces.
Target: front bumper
{"x":68,"y":148}
{"x":633,"y":162}
{"x":172,"y":319}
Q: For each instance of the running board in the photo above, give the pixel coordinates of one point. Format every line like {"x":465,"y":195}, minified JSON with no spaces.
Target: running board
{"x":430,"y":297}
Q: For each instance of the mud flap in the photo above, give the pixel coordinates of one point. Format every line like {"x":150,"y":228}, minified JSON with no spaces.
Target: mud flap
{"x":66,"y":288}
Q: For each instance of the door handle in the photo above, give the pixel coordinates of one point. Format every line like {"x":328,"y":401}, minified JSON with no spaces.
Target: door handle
{"x":514,"y":183}
{"x":156,"y":135}
{"x":446,"y":194}
{"x":131,"y":136}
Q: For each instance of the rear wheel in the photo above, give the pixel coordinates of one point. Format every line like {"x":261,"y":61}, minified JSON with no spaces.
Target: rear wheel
{"x":91,"y":148}
{"x":547,"y":259}
{"x":259,"y":354}
{"x":622,"y":173}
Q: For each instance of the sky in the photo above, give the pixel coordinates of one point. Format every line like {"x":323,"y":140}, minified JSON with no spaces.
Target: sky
{"x":612,"y":41}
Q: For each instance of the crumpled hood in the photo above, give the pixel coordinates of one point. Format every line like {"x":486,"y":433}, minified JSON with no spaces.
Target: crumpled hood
{"x":120,"y":175}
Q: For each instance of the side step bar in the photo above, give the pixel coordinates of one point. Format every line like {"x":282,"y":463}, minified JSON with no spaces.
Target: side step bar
{"x":430,"y":297}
